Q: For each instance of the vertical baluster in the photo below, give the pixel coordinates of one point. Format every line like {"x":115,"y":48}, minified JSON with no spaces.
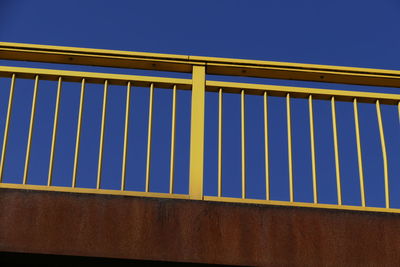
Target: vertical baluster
{"x":243,"y":128}
{"x":384,"y":154}
{"x":359,"y":152}
{"x":220,"y":103}
{"x":7,"y":127}
{"x":101,"y":145}
{"x":149,"y":134}
{"x":336,"y":146}
{"x":312,"y":142}
{"x":173,"y":128}
{"x":78,"y":133}
{"x":126,"y":132}
{"x":290,"y":157}
{"x":30,"y":133}
{"x":54,"y":135}
{"x":267,"y":182}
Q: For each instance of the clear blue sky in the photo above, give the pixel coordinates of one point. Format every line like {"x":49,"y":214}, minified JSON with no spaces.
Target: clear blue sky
{"x":348,"y":33}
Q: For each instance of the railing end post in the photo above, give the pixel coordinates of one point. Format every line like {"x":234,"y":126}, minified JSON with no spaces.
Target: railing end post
{"x":196,"y":172}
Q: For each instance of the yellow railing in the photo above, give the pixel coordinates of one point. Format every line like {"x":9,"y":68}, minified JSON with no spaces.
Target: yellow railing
{"x":84,"y":78}
{"x":199,"y":85}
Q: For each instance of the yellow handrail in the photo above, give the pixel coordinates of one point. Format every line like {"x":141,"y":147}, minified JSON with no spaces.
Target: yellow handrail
{"x":214,"y":65}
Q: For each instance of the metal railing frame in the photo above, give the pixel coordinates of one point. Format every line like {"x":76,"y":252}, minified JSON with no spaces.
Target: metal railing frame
{"x":200,"y":67}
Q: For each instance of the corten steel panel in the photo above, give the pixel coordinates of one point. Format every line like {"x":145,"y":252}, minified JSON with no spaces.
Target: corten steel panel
{"x":194,"y":231}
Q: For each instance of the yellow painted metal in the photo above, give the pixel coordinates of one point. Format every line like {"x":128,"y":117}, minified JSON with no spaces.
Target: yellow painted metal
{"x":149,"y":135}
{"x":184,"y":63}
{"x":300,"y":204}
{"x":266,"y":149}
{"x":304,"y":74}
{"x":172,"y":157}
{"x":7,"y":127}
{"x":54,"y":135}
{"x":93,"y":77}
{"x":384,"y":154}
{"x":243,"y":135}
{"x":102,"y":129}
{"x":302,"y":92}
{"x":30,"y":133}
{"x":290,"y":157}
{"x":102,"y":53}
{"x":185,"y":84}
{"x":78,"y":133}
{"x":198,"y":84}
{"x":220,"y":103}
{"x":336,"y":147}
{"x":95,"y":57}
{"x":126,"y":134}
{"x":359,"y":152}
{"x":91,"y":191}
{"x":312,"y":143}
{"x":197,"y":133}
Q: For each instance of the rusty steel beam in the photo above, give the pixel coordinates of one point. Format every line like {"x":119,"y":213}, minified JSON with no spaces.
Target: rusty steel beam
{"x":194,"y":231}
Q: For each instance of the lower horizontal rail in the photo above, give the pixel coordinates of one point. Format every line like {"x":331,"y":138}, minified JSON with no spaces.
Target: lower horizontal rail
{"x":92,"y":191}
{"x":299,"y":204}
{"x":206,"y":198}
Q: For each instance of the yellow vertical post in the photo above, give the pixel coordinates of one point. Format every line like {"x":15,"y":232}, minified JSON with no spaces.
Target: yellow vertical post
{"x":7,"y":127}
{"x":267,"y":182}
{"x":102,"y":129}
{"x":30,"y":133}
{"x":243,"y":131}
{"x":172,"y":157}
{"x":312,"y":142}
{"x":359,"y":153}
{"x":54,"y":136}
{"x":126,"y":132}
{"x":197,"y":133}
{"x":384,"y":154}
{"x":336,"y":146}
{"x":78,"y":133}
{"x":220,"y":103}
{"x":149,"y":135}
{"x":290,"y":157}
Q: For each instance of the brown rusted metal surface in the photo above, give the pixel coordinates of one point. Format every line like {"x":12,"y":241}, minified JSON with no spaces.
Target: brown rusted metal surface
{"x":194,"y":231}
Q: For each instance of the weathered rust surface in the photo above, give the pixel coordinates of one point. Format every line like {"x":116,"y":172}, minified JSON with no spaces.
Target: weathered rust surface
{"x":194,"y":231}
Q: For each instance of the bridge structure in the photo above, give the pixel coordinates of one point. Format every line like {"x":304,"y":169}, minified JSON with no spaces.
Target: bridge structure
{"x":49,"y":220}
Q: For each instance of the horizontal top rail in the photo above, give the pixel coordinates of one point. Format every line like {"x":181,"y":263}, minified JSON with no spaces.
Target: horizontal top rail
{"x":214,"y":66}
